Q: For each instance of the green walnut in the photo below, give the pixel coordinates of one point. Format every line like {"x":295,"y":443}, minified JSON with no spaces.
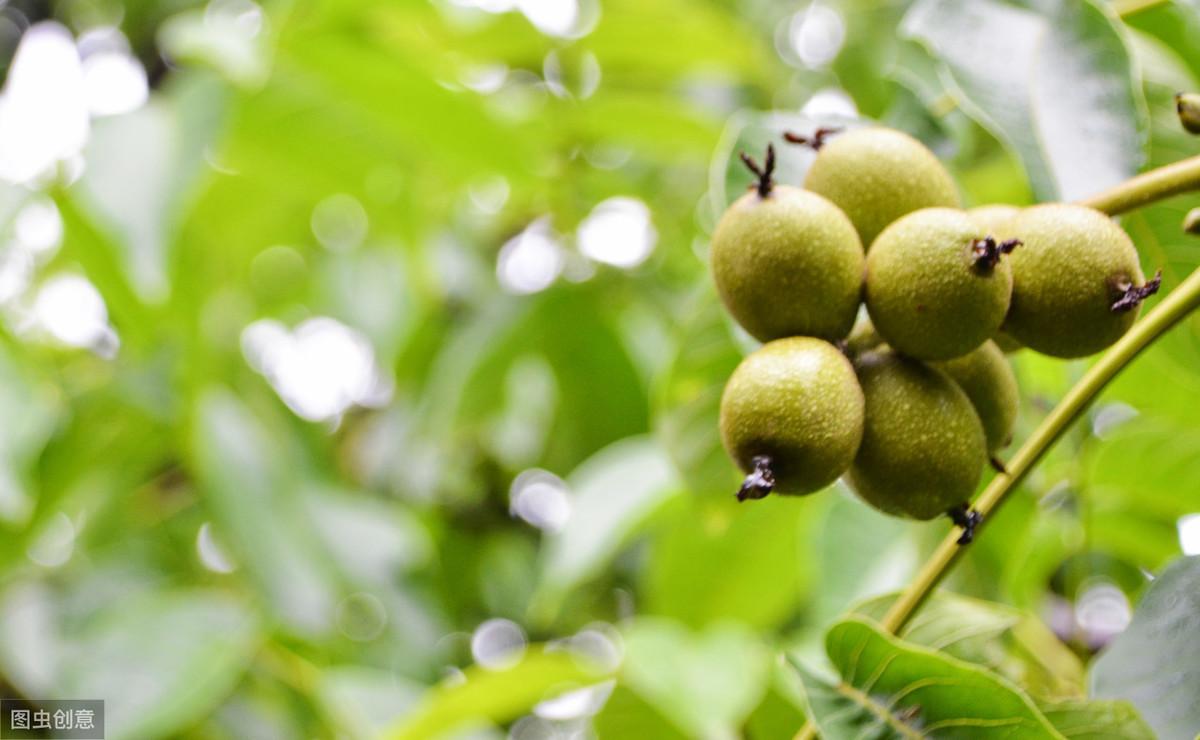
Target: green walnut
{"x":863,"y":337}
{"x":876,"y":175}
{"x":937,"y":286}
{"x":994,"y":220}
{"x":923,"y":447}
{"x":1077,"y":284}
{"x":787,"y":262}
{"x":988,"y":380}
{"x":1006,"y":343}
{"x":792,"y":417}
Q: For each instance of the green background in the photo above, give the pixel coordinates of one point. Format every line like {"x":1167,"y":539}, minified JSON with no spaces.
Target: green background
{"x":216,"y":560}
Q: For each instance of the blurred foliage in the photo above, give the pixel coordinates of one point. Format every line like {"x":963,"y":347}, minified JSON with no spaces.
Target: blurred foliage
{"x":535,"y":466}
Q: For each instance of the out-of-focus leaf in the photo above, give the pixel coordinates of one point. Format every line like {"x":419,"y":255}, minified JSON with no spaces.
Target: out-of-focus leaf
{"x":366,"y":699}
{"x":1097,"y":720}
{"x":724,"y":561}
{"x":469,"y":375}
{"x":626,"y":714}
{"x":221,"y":38}
{"x":508,"y":568}
{"x":1148,"y":464}
{"x":630,"y":38}
{"x":30,"y":409}
{"x":1155,"y":663}
{"x":781,"y":711}
{"x":372,"y":541}
{"x":249,"y":484}
{"x":689,"y":397}
{"x":902,"y":690}
{"x":1176,"y":24}
{"x":161,"y":663}
{"x":498,"y":696}
{"x":869,"y":47}
{"x":706,"y":683}
{"x":613,"y":493}
{"x":1004,"y":640}
{"x":1055,"y":87}
{"x":647,"y":124}
{"x":141,"y":167}
{"x":860,"y":552}
{"x":367,"y":80}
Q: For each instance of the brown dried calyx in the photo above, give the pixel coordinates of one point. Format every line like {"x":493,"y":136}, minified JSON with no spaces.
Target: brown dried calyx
{"x":765,"y":183}
{"x":814,"y":142}
{"x":1133,"y":295}
{"x":760,"y":482}
{"x":987,"y":252}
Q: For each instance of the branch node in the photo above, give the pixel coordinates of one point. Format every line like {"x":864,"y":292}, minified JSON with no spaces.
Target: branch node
{"x":760,"y":481}
{"x":997,"y":465}
{"x":1133,"y":296}
{"x":967,"y":518}
{"x":765,"y":183}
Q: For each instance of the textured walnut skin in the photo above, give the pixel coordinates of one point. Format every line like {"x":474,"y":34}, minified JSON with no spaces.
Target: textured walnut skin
{"x":1074,"y":264}
{"x":796,"y":401}
{"x":925,"y":293}
{"x":923,"y":450}
{"x":789,"y":264}
{"x":877,"y":175}
{"x":988,"y":380}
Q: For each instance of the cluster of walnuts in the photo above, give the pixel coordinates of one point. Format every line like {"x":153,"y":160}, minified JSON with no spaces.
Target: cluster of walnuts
{"x":912,"y":397}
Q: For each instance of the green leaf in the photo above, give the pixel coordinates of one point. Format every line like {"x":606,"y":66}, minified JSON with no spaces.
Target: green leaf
{"x":1011,"y":643}
{"x":161,"y":663}
{"x":706,"y":682}
{"x":1155,"y":662}
{"x":1055,"y":87}
{"x":688,"y":398}
{"x":1097,"y":720}
{"x":614,"y":491}
{"x":781,"y":711}
{"x":366,"y":700}
{"x":1177,"y":25}
{"x":30,"y":408}
{"x":903,"y":690}
{"x":860,"y":552}
{"x":718,"y":560}
{"x":498,"y":696}
{"x":249,"y":481}
{"x":141,"y":167}
{"x":626,"y":714}
{"x":839,"y":712}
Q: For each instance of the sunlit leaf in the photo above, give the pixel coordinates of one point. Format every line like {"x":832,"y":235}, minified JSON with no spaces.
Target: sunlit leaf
{"x":160,"y":663}
{"x":900,"y":690}
{"x":613,"y":493}
{"x":1056,"y":88}
{"x":1004,"y":640}
{"x":1155,"y":663}
{"x":704,"y":682}
{"x":496,"y":696}
{"x":1097,"y":720}
{"x":251,"y":490}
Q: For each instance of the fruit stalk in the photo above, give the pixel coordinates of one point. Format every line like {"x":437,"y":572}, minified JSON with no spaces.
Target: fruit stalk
{"x":1173,"y":309}
{"x":1172,"y":179}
